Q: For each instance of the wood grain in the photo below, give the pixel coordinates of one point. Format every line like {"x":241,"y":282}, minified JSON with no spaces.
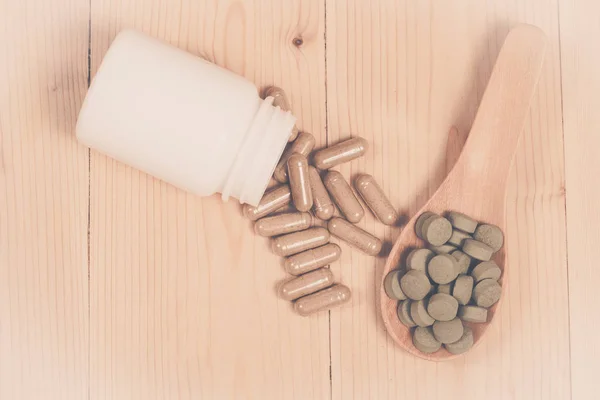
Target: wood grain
{"x":400,"y":74}
{"x":170,"y":274}
{"x":183,"y":301}
{"x":43,"y":201}
{"x":581,"y":85}
{"x":485,"y":160}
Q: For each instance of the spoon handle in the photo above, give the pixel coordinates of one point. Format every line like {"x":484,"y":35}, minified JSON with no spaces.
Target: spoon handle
{"x":483,"y":166}
{"x":477,"y":184}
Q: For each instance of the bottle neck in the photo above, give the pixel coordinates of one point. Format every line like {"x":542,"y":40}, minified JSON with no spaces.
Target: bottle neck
{"x":259,"y":154}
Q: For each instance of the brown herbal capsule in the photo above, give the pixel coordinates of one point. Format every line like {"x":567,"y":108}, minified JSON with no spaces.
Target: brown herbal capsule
{"x":312,"y":259}
{"x":280,"y":100}
{"x":323,"y":206}
{"x":376,"y":200}
{"x":272,"y":201}
{"x":283,"y":223}
{"x":355,"y":236}
{"x":298,"y":242}
{"x":323,"y":300}
{"x":306,"y":284}
{"x":299,"y":184}
{"x":302,"y":145}
{"x":340,"y":153}
{"x":343,"y":196}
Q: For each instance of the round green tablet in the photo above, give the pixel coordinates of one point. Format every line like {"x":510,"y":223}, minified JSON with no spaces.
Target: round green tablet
{"x":425,"y":341}
{"x":443,"y":249}
{"x":415,"y":284}
{"x":419,"y":314}
{"x":463,"y":261}
{"x":448,"y":331}
{"x":403,"y":311}
{"x":442,"y":307}
{"x":436,"y":230}
{"x":458,"y":237}
{"x":420,"y":221}
{"x":463,"y":288}
{"x":477,"y":250}
{"x":486,"y":270}
{"x":472,"y":314}
{"x":490,"y":235}
{"x":391,"y":284}
{"x":418,"y":259}
{"x":463,"y":344}
{"x":487,"y":293}
{"x":442,"y":269}
{"x":462,"y":221}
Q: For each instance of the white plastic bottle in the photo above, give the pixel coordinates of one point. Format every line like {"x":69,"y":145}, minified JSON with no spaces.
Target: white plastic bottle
{"x":183,"y":119}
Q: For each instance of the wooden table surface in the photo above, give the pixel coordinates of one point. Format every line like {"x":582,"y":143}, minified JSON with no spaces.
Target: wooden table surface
{"x":114,"y":285}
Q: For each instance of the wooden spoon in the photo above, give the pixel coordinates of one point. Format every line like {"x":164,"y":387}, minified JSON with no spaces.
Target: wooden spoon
{"x":476,"y":185}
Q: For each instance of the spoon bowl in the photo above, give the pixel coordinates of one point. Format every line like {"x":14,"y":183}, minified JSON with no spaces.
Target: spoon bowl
{"x":476,"y":186}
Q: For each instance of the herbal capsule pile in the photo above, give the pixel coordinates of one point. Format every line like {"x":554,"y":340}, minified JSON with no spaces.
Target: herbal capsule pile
{"x":290,"y":213}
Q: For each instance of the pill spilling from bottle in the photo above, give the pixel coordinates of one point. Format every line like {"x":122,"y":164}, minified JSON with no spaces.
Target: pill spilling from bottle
{"x":315,"y":192}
